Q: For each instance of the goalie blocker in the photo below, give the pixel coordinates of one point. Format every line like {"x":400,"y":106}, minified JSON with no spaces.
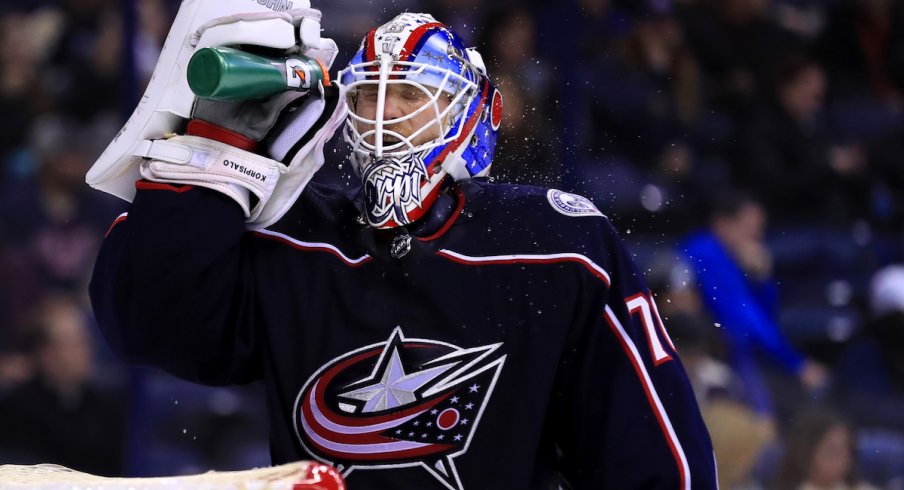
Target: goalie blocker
{"x":265,"y":185}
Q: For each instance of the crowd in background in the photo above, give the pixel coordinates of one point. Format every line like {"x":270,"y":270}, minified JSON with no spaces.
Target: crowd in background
{"x":751,"y":152}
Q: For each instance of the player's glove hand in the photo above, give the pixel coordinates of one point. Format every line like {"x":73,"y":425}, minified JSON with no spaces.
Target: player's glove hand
{"x":278,"y":144}
{"x":245,"y":149}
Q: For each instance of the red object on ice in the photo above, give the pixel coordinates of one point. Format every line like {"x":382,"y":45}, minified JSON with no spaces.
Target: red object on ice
{"x":319,"y":476}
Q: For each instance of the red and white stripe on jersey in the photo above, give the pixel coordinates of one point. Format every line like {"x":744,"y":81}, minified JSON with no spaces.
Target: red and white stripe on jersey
{"x":317,"y":246}
{"x":652,"y":397}
{"x":594,"y":269}
{"x":119,"y":219}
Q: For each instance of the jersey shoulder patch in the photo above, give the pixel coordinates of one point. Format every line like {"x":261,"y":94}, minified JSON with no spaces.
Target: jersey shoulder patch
{"x":571,"y":204}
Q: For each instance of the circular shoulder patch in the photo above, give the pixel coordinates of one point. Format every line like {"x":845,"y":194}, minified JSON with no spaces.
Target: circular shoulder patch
{"x":571,"y":204}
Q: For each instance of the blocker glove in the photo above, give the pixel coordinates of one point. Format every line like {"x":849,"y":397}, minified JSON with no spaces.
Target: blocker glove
{"x":261,"y":153}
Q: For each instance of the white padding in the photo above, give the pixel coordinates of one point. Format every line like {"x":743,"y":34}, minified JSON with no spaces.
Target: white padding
{"x":208,"y":163}
{"x":168,"y":100}
{"x":305,"y":163}
{"x":294,"y":129}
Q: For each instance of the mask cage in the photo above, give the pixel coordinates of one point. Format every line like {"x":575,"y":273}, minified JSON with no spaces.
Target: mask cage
{"x":432,"y":81}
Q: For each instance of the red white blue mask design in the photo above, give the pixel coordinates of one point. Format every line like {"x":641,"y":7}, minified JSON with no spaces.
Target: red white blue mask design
{"x":421,"y":109}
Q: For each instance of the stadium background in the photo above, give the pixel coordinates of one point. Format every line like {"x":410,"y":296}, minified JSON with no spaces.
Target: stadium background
{"x":649,"y":107}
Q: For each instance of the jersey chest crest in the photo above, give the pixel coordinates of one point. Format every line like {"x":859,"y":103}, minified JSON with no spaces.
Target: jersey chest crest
{"x":399,"y":403}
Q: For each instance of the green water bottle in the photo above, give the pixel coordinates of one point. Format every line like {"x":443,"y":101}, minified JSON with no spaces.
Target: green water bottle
{"x":230,"y":74}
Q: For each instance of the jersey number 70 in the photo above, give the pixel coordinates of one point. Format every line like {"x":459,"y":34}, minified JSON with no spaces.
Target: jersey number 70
{"x":643,"y":305}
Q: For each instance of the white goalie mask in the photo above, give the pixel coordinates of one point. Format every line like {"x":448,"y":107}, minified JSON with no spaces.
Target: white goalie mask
{"x":421,"y":109}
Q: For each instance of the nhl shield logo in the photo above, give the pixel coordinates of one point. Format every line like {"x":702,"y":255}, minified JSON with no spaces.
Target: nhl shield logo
{"x":398,"y":403}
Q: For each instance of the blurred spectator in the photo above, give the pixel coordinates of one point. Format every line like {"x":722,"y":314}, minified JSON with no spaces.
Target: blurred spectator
{"x":785,"y":154}
{"x":650,"y":126}
{"x":15,"y":366}
{"x":739,"y":438}
{"x":819,"y":455}
{"x":60,"y":416}
{"x":861,"y":48}
{"x":736,"y":42}
{"x":733,"y":270}
{"x":887,"y":198}
{"x":870,"y":375}
{"x":86,"y":64}
{"x":804,"y":18}
{"x":602,"y":23}
{"x":25,"y":39}
{"x":525,"y":150}
{"x":53,"y":221}
{"x":702,"y":348}
{"x":646,"y":94}
{"x":739,"y":434}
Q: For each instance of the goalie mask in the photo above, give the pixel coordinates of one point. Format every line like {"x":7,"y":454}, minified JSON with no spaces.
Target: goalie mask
{"x":421,"y":110}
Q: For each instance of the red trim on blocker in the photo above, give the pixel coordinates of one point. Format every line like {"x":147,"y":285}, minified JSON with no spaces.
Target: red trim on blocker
{"x":528,"y":259}
{"x":205,"y":129}
{"x":306,"y":246}
{"x":652,"y":397}
{"x":160,"y":186}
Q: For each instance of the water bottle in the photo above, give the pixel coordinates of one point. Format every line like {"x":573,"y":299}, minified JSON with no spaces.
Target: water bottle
{"x":223,"y":73}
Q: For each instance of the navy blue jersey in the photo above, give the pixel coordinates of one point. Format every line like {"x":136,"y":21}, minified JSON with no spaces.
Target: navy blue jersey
{"x":517,"y":347}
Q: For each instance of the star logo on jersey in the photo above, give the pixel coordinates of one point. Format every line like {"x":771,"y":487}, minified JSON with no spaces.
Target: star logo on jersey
{"x":571,"y":204}
{"x":399,"y":403}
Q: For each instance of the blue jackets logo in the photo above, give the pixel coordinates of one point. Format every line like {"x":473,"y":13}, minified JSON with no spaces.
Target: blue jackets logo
{"x":399,"y":403}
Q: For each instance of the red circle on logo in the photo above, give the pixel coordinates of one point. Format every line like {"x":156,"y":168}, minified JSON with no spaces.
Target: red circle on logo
{"x":447,"y":419}
{"x":496,"y":110}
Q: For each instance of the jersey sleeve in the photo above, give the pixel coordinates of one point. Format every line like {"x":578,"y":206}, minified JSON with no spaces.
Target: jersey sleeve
{"x":172,"y":287}
{"x":627,"y":417}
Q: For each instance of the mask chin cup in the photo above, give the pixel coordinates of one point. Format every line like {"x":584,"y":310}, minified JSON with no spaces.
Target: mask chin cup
{"x":394,"y":191}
